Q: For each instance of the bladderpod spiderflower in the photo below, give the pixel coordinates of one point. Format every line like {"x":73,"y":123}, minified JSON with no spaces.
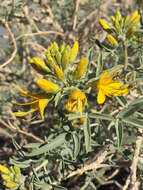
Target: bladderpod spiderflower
{"x":107,"y":86}
{"x":38,"y":103}
{"x":77,"y":101}
{"x":11,"y":176}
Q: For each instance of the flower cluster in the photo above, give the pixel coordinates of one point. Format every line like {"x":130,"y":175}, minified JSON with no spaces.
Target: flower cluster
{"x":58,"y":68}
{"x":64,"y":78}
{"x":11,"y":176}
{"x":121,"y":28}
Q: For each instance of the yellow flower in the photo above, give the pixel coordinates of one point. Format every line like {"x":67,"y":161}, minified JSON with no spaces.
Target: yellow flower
{"x":108,"y":87}
{"x":81,"y":68}
{"x":11,"y":176}
{"x":77,"y":101}
{"x":39,"y":65}
{"x":104,"y":24}
{"x":39,"y":103}
{"x":48,"y":86}
{"x":112,"y":40}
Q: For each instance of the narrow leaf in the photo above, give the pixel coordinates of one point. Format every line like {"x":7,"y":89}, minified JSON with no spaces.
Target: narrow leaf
{"x":119,"y":132}
{"x":101,"y":116}
{"x":58,"y":141}
{"x":87,"y":134}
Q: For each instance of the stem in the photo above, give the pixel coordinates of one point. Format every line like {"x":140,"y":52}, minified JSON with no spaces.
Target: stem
{"x":125,"y":56}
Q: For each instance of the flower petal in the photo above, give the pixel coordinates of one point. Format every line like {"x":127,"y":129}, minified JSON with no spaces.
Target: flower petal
{"x":101,"y":97}
{"x":42,"y":105}
{"x":21,"y":114}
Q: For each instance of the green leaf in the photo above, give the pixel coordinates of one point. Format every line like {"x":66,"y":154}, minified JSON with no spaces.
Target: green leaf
{"x":133,"y":122}
{"x":57,"y":187}
{"x":58,"y":98}
{"x":132,"y":108}
{"x":76,"y":143}
{"x":101,"y":116}
{"x":21,"y":163}
{"x":87,"y":134}
{"x":89,"y":58}
{"x":32,"y":145}
{"x":76,"y":116}
{"x":121,"y":100}
{"x":58,"y":141}
{"x":119,"y":132}
{"x":99,"y":64}
{"x":18,"y":148}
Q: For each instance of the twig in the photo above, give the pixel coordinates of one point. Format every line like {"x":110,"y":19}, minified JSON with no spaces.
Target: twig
{"x":13,"y":41}
{"x":134,"y":183}
{"x":127,"y":183}
{"x":94,"y":165}
{"x":16,"y":129}
{"x":74,"y":19}
{"x":35,"y":44}
{"x":31,"y":21}
{"x":40,"y":33}
{"x":131,"y":181}
{"x":112,"y":175}
{"x":25,"y":133}
{"x":86,"y":18}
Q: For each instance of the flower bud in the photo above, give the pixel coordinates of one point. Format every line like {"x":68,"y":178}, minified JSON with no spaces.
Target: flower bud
{"x":104,"y":24}
{"x":39,"y":65}
{"x":112,"y":40}
{"x":74,"y":51}
{"x":65,"y":59}
{"x":81,"y":68}
{"x":48,"y":86}
{"x":59,"y":73}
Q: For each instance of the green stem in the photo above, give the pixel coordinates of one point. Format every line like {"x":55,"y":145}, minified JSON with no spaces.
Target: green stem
{"x":125,"y":56}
